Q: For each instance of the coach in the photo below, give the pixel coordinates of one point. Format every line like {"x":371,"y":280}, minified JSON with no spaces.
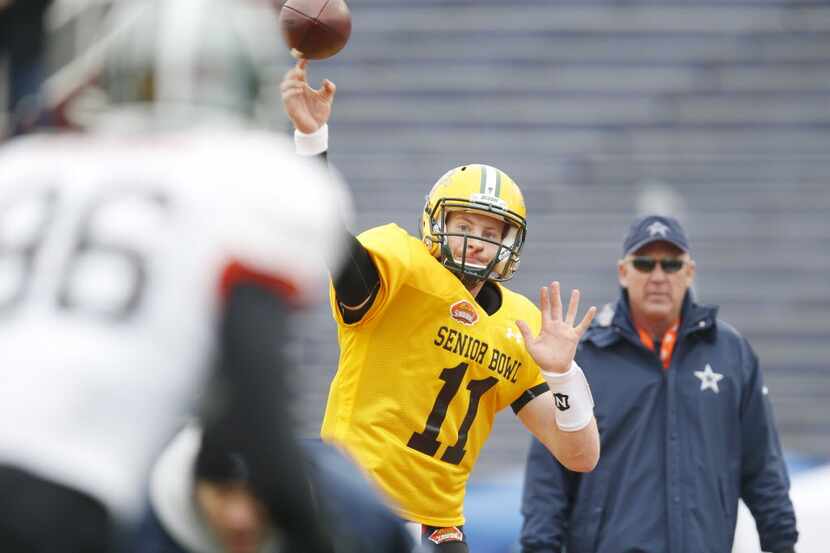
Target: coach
{"x":685,"y":422}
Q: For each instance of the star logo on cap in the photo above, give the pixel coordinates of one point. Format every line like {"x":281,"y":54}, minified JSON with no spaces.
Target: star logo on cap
{"x":709,"y":379}
{"x":656,"y":228}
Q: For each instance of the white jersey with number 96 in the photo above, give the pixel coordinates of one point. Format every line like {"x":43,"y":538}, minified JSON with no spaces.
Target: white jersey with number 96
{"x":114,"y":254}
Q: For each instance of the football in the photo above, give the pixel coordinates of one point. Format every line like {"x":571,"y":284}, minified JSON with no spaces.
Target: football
{"x":318,"y":29}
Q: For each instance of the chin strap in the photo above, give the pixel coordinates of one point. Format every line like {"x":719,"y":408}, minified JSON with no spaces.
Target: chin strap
{"x":467,"y":280}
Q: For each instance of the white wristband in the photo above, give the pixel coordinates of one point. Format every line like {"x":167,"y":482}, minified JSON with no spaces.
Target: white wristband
{"x":572,"y":397}
{"x":313,"y":143}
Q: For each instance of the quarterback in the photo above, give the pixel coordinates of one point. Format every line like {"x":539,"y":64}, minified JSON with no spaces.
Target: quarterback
{"x":432,"y":345}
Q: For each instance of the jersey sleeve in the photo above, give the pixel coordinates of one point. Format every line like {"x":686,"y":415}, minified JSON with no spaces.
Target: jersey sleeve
{"x":390,"y":249}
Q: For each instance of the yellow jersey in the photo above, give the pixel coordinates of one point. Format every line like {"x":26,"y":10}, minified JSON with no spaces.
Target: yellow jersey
{"x":421,"y":377}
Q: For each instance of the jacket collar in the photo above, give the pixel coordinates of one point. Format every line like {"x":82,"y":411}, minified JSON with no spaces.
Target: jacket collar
{"x":613,"y":322}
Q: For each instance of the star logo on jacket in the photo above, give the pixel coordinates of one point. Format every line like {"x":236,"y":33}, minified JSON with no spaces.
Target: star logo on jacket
{"x":656,"y":228}
{"x":709,"y":379}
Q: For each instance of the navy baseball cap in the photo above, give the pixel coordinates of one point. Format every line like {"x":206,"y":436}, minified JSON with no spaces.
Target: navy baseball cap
{"x":216,"y":460}
{"x":655,"y":228}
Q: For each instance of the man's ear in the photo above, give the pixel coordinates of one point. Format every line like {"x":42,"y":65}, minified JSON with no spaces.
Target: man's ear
{"x":691,"y":271}
{"x":622,"y":273}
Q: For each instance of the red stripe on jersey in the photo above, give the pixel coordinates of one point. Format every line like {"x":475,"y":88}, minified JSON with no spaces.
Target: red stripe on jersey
{"x":236,"y":273}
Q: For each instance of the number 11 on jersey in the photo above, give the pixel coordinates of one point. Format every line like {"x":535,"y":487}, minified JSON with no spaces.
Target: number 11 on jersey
{"x":427,"y":441}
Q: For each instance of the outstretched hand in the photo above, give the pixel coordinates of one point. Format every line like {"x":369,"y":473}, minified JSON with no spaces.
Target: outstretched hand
{"x":555,"y":347}
{"x":308,"y":109}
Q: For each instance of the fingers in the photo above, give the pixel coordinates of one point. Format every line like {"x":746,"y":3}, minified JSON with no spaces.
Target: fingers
{"x":573,"y":307}
{"x":527,"y":334}
{"x":328,"y":90}
{"x":291,"y":93}
{"x":292,"y":83}
{"x":586,"y":321}
{"x":292,"y":86}
{"x":295,"y":82}
{"x":544,"y":305}
{"x":295,"y":75}
{"x":551,"y":306}
{"x":556,"y":301}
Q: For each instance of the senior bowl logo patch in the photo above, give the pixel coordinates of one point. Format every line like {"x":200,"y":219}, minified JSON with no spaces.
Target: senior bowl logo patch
{"x":441,"y":535}
{"x":464,"y":312}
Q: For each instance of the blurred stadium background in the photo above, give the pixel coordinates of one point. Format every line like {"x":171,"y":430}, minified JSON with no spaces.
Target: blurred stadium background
{"x":718,"y":111}
{"x":715,"y":110}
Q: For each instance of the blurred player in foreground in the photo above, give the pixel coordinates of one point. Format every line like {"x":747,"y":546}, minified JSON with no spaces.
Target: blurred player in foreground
{"x":135,"y":264}
{"x":430,"y":348}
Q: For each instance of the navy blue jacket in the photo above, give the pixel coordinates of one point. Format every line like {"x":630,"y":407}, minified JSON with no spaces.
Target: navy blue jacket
{"x":678,"y":448}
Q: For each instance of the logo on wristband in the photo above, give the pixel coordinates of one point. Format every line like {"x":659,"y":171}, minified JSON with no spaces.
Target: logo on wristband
{"x":561,"y":401}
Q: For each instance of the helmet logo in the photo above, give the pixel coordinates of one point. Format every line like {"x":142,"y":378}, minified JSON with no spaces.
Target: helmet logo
{"x":504,"y":253}
{"x":489,"y":200}
{"x":464,"y":312}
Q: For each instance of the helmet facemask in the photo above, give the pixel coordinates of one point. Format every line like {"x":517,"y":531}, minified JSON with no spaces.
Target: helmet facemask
{"x":504,"y":262}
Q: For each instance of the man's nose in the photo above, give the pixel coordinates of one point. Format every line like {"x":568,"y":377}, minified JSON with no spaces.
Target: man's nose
{"x":658,"y":273}
{"x":474,"y":244}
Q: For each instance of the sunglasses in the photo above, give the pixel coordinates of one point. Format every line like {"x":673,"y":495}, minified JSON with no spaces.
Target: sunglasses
{"x":646,"y":264}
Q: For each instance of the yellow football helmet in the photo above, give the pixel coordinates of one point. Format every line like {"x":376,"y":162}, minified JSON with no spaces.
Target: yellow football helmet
{"x":476,"y":189}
